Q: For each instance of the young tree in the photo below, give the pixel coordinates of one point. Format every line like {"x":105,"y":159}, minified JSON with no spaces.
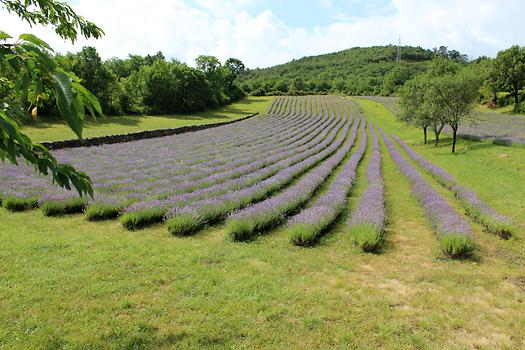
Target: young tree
{"x":456,"y":95}
{"x":412,"y":98}
{"x":420,"y":107}
{"x":28,"y":60}
{"x":509,"y":68}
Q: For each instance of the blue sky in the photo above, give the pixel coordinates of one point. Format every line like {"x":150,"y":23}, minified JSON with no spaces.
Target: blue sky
{"x":311,"y":14}
{"x":264,"y":33}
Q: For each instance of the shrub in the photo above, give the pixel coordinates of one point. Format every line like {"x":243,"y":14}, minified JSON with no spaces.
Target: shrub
{"x":12,"y":203}
{"x":457,"y":246}
{"x":303,"y":235}
{"x":492,"y":224}
{"x":57,"y":207}
{"x":368,"y":237}
{"x":470,"y":137}
{"x":103,"y":211}
{"x":183,"y":224}
{"x":134,"y":220}
{"x":240,"y":230}
{"x":502,"y":141}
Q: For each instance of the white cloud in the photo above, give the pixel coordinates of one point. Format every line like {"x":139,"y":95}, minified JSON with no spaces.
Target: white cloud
{"x":181,"y":31}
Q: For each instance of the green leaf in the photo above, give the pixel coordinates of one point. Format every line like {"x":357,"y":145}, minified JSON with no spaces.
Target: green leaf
{"x":42,"y":58}
{"x":63,"y":83}
{"x":92,"y":103}
{"x":4,"y":35}
{"x":64,"y":99}
{"x":35,"y":40}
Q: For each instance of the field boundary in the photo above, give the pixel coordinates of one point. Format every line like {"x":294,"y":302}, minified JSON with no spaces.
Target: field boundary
{"x":136,"y":136}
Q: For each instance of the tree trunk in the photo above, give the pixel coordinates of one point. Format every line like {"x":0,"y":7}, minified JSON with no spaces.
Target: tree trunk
{"x":516,"y":99}
{"x":425,"y":134}
{"x":437,"y":132}
{"x":454,"y":137}
{"x":496,"y":99}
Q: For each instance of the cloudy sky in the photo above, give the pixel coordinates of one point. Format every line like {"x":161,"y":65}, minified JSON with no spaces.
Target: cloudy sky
{"x":266,"y":32}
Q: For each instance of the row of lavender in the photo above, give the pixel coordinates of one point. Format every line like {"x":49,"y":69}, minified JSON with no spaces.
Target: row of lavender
{"x":367,"y":221}
{"x":301,"y":119}
{"x":474,"y":207}
{"x":453,"y":231}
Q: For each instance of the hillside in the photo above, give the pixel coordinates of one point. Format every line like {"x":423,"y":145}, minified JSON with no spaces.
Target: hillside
{"x":356,"y":71}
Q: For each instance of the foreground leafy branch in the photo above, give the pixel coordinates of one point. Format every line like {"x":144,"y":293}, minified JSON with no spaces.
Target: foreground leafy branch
{"x":33,"y":75}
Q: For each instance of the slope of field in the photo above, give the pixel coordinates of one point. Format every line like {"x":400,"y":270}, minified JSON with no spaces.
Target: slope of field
{"x":111,"y":125}
{"x":496,"y":127}
{"x":71,"y":283}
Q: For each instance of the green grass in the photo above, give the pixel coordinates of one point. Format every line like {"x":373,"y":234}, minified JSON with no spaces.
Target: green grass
{"x":509,"y":109}
{"x":110,"y":125}
{"x":70,"y":283}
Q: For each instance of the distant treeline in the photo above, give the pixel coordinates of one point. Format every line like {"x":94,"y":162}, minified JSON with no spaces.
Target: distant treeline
{"x":377,"y":71}
{"x":148,"y":84}
{"x":357,"y":71}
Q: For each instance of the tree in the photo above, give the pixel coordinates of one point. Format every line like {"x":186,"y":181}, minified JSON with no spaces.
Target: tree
{"x":509,"y":67}
{"x":28,"y":61}
{"x":420,"y":104}
{"x":208,"y":64}
{"x":235,"y":66}
{"x":95,"y":76}
{"x":484,"y":68}
{"x":411,"y":100}
{"x":453,"y":55}
{"x":456,"y":95}
{"x":217,"y":76}
{"x":160,"y":88}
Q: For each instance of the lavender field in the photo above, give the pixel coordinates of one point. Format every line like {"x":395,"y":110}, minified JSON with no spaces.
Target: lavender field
{"x":253,"y":174}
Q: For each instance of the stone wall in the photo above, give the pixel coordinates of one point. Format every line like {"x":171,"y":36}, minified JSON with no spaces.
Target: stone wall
{"x":135,"y":136}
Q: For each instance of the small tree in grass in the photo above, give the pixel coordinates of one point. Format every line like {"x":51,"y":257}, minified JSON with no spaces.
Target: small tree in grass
{"x":419,"y":107}
{"x":455,"y":96}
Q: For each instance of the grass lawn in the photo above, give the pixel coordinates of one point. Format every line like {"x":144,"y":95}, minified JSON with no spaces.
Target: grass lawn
{"x":69,"y":283}
{"x":58,"y":130}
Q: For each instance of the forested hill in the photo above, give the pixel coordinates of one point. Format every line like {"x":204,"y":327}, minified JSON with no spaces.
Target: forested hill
{"x":357,"y":71}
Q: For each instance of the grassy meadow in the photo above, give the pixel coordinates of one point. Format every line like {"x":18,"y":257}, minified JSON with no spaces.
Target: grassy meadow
{"x":110,"y":125}
{"x":73,"y":284}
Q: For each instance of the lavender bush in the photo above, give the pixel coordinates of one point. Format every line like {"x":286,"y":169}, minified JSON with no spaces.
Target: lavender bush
{"x":367,"y":222}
